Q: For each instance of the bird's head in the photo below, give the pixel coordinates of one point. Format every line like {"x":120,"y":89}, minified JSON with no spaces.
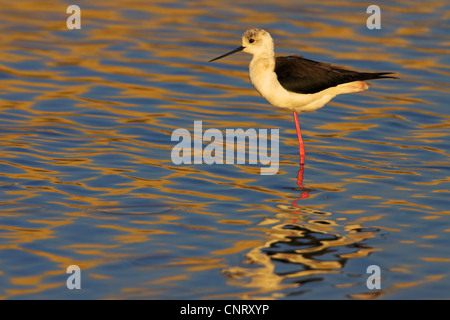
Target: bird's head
{"x":255,"y":41}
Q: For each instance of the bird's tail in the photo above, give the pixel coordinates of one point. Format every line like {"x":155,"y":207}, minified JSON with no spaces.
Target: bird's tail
{"x":378,"y":75}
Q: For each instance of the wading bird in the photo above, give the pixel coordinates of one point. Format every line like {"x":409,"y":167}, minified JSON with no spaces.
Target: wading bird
{"x":296,"y":83}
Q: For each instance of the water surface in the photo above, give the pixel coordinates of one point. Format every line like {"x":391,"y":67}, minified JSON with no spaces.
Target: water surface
{"x":86,"y":176}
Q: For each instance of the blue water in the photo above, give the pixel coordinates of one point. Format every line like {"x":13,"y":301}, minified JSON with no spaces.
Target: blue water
{"x":87,"y":177}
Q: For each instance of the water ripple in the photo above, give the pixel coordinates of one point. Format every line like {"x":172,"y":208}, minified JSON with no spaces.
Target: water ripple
{"x":86,"y":175}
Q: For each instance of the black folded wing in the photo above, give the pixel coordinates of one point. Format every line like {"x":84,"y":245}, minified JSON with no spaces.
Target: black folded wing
{"x":301,"y":75}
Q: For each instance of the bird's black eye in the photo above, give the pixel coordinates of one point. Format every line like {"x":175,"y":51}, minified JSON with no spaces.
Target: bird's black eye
{"x":251,"y":40}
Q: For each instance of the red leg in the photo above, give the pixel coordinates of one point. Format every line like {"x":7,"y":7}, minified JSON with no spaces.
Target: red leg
{"x":300,"y":140}
{"x":305,"y":192}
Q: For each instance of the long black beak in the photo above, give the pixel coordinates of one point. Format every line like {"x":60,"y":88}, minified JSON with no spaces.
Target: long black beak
{"x":227,"y":54}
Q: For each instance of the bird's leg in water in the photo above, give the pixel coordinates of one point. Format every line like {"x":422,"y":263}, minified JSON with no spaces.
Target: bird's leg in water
{"x":300,"y":140}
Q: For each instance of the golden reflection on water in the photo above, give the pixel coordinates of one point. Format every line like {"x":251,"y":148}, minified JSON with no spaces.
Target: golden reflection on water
{"x":89,"y":117}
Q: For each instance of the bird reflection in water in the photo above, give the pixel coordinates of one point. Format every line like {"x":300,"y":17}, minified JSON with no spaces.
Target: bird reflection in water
{"x":303,"y":247}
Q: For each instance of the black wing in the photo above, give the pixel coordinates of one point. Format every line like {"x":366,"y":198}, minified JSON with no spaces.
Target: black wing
{"x":301,"y":75}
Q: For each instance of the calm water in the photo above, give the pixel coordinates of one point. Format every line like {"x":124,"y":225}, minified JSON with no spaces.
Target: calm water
{"x":86,"y":176}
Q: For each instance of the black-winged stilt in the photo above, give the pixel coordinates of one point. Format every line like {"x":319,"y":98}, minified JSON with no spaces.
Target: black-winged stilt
{"x":296,"y":83}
